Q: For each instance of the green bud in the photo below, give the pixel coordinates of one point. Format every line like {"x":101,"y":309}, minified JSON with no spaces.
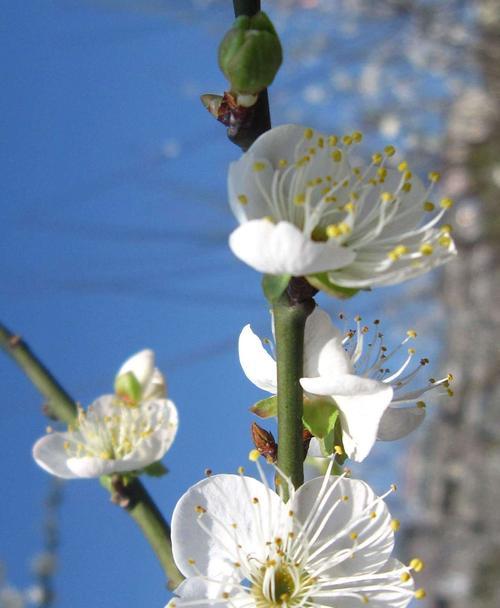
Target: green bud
{"x":250,"y":54}
{"x":128,"y":388}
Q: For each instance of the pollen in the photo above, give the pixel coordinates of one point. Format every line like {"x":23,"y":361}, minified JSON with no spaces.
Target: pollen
{"x":429,"y":206}
{"x":347,"y":140}
{"x":420,"y":594}
{"x":243,"y":199}
{"x":254,"y":455}
{"x":199,"y":509}
{"x":406,"y":187}
{"x":350,"y":207}
{"x":377,"y":158}
{"x":255,"y":500}
{"x":258,"y":166}
{"x":308,"y":133}
{"x":282,"y":163}
{"x":336,"y":156}
{"x":353,"y":535}
{"x":387,"y":197}
{"x":426,"y":249}
{"x":411,"y":333}
{"x":446,"y":228}
{"x":332,"y":231}
{"x":446,"y":203}
{"x":417,"y":564}
{"x":434,"y":176}
{"x":299,"y":199}
{"x":445,"y":241}
{"x":338,"y":449}
{"x":421,"y":404}
{"x":395,"y":525}
{"x":333,"y":140}
{"x":357,"y":136}
{"x":321,"y":142}
{"x":403,"y":166}
{"x":373,"y":515}
{"x":382,"y":172}
{"x":390,"y":150}
{"x":405,"y":577}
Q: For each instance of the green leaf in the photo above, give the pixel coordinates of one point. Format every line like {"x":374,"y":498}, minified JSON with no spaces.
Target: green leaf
{"x":273,"y":285}
{"x":323,"y":283}
{"x":156,"y":469}
{"x":319,"y":416}
{"x":266,"y":408}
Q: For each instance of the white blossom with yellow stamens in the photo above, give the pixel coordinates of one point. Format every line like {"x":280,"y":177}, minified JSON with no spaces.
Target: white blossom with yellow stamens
{"x":351,"y":370}
{"x":304,"y":210}
{"x":240,"y":545}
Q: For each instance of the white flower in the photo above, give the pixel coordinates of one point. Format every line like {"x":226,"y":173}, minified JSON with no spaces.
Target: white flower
{"x":368,"y":396}
{"x":240,"y":545}
{"x":304,"y":210}
{"x":151,"y":381}
{"x":110,"y":438}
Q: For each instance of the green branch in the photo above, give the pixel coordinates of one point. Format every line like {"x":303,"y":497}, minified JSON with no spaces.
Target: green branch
{"x":140,"y":505}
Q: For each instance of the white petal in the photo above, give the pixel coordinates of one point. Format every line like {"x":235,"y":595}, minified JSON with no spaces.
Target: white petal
{"x":88,"y":467}
{"x":49,"y":453}
{"x":397,"y":422}
{"x":196,"y":588}
{"x":257,"y":363}
{"x":375,"y":537}
{"x":283,"y":249}
{"x":227,"y":500}
{"x":383,"y":589}
{"x":346,"y":385}
{"x":323,"y":351}
{"x":142,"y":365}
{"x":105,"y":405}
{"x":156,"y":387}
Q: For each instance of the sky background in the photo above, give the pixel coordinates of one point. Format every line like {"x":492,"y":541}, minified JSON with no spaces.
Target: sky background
{"x":114,"y":238}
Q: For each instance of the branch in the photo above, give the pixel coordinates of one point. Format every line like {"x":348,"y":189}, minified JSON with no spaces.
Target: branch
{"x":141,"y":507}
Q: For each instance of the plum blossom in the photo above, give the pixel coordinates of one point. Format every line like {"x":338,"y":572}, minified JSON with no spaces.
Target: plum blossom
{"x":304,"y":209}
{"x":239,"y":544}
{"x":372,"y":400}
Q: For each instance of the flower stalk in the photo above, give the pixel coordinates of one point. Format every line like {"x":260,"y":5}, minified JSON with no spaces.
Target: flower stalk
{"x":290,"y":313}
{"x":141,"y":506}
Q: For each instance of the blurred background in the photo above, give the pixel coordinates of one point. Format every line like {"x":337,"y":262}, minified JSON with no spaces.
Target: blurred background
{"x":114,"y":238}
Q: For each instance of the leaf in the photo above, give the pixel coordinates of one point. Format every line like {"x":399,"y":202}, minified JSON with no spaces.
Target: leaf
{"x":155,"y":469}
{"x":323,"y":283}
{"x":266,"y":408}
{"x":273,"y":285}
{"x":319,"y":416}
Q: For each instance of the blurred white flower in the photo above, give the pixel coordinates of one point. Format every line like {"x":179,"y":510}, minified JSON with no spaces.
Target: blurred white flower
{"x":238,"y":544}
{"x":371,"y":399}
{"x":304,"y":210}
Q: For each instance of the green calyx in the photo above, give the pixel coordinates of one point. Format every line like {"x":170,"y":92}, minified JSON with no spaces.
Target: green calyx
{"x":323,"y":283}
{"x":250,"y":54}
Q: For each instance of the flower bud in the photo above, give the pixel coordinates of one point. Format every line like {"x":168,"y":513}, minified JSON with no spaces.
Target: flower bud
{"x":250,"y":54}
{"x":264,"y":442}
{"x":128,"y":388}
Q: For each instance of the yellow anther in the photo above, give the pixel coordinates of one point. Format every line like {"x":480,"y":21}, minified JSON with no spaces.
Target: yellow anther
{"x":420,"y":594}
{"x":429,"y":206}
{"x":200,"y":509}
{"x":282,"y":163}
{"x":243,"y":199}
{"x":225,"y":595}
{"x":434,"y":176}
{"x":254,"y":455}
{"x":241,"y":470}
{"x":66,"y":445}
{"x":445,"y":240}
{"x":324,"y":191}
{"x":387,"y":197}
{"x":349,"y":207}
{"x":344,"y":228}
{"x":382,"y":172}
{"x":237,"y":565}
{"x":332,"y":231}
{"x":446,"y":203}
{"x":312,"y":151}
{"x":408,"y":175}
{"x":417,"y":564}
{"x":411,"y":351}
{"x":255,"y":500}
{"x":48,"y":429}
{"x":345,"y":498}
{"x":394,"y":487}
{"x":421,"y":404}
{"x":331,"y":199}
{"x":345,"y":183}
{"x":411,"y":333}
{"x":406,"y":187}
{"x":356,"y":171}
{"x":372,"y":181}
{"x":365,"y":599}
{"x":258,"y":166}
{"x":333,"y":140}
{"x":405,"y":577}
{"x":403,"y":166}
{"x":446,"y":228}
{"x":318,"y":181}
{"x":377,"y":158}
{"x":338,"y":449}
{"x":353,"y":535}
{"x":390,"y":150}
{"x":357,"y":136}
{"x":400,"y":250}
{"x":347,"y":140}
{"x":373,"y":515}
{"x":308,"y":133}
{"x":336,"y":156}
{"x":321,"y":142}
{"x":449,"y":378}
{"x":299,"y":199}
{"x":191,"y":562}
{"x":395,"y":525}
{"x":354,"y":196}
{"x":426,"y":249}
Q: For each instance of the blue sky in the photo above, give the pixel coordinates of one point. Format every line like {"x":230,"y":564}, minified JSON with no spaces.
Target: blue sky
{"x":114,"y":239}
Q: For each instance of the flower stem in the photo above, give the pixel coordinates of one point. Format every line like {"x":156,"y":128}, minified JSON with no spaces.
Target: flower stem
{"x":290,"y":313}
{"x":142,"y":508}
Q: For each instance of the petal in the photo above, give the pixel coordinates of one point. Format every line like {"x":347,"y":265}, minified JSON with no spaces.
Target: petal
{"x":88,"y":467}
{"x":323,"y":350}
{"x":397,"y":422}
{"x":49,"y":453}
{"x":283,"y":249}
{"x":212,"y":540}
{"x":105,"y":405}
{"x":156,"y":387}
{"x":196,"y":588}
{"x":375,"y":539}
{"x":257,"y":363}
{"x":142,"y":365}
{"x":383,"y":589}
